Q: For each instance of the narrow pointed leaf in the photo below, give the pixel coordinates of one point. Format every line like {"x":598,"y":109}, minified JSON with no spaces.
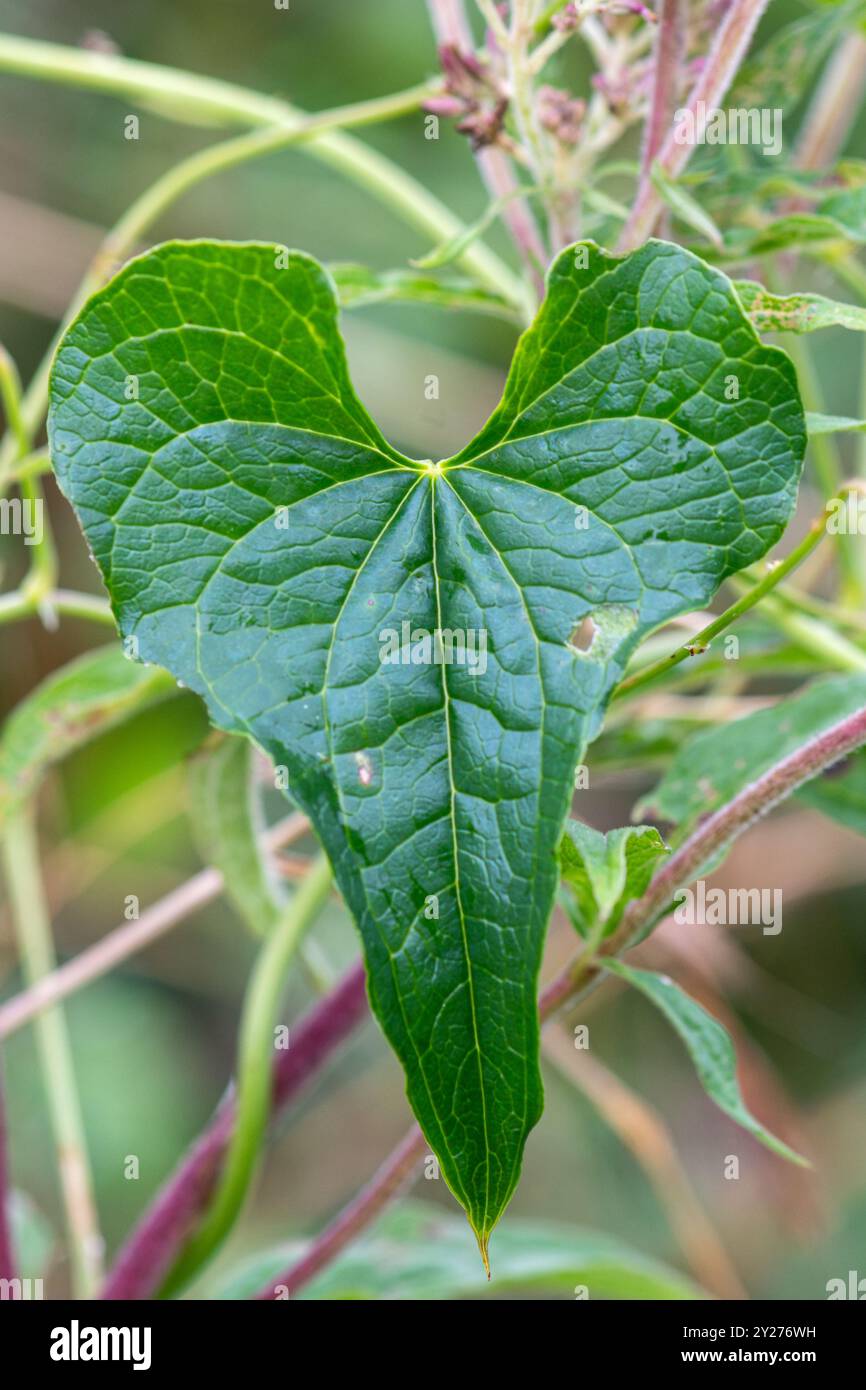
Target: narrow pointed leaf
{"x":402,"y":635}
{"x":712,"y":767}
{"x":832,"y":424}
{"x":710,"y":1048}
{"x":357,"y":286}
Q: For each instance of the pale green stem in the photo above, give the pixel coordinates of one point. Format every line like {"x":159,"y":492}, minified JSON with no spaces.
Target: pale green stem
{"x":33,"y":931}
{"x":813,"y":636}
{"x":42,"y":575}
{"x":388,"y":181}
{"x":255,"y":1054}
{"x":66,"y":602}
{"x":182,"y":95}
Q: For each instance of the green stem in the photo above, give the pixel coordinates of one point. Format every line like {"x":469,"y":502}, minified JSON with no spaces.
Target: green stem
{"x":68,"y":603}
{"x":10,"y":395}
{"x":814,"y":636}
{"x":42,"y":574}
{"x":286,"y":127}
{"x":33,"y":930}
{"x":253,"y":1073}
{"x":826,"y":459}
{"x":747,"y":601}
{"x":185,"y":95}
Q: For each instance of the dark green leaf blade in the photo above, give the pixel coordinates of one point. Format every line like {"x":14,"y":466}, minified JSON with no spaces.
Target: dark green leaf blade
{"x":258,"y":536}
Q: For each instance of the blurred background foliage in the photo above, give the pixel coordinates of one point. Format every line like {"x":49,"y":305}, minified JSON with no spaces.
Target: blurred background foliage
{"x":154,"y":1043}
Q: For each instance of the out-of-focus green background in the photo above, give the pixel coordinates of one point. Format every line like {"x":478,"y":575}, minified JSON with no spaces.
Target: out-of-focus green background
{"x":153,"y":1045}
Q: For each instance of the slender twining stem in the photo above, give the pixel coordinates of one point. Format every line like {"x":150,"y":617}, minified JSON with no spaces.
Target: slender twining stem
{"x":42,"y":574}
{"x":253,"y":1085}
{"x":726,"y":54}
{"x":7,"y":1249}
{"x":131,"y":937}
{"x":701,"y":640}
{"x":10,"y":396}
{"x":713,"y":836}
{"x":383,"y":1187}
{"x":148,"y":1253}
{"x":33,"y":931}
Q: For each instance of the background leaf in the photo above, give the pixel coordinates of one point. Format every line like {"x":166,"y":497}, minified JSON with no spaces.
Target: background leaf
{"x":228,"y":823}
{"x":797,"y":313}
{"x":417,"y":1252}
{"x":90,"y":695}
{"x":357,"y":286}
{"x":709,"y":1046}
{"x":716,"y":764}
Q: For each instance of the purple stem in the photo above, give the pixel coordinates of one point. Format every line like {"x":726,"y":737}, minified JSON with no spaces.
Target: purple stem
{"x":147,"y":1255}
{"x":726,"y":54}
{"x":666,"y":80}
{"x":382,"y":1188}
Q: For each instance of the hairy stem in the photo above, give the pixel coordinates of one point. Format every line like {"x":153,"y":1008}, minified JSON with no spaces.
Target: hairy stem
{"x":33,"y":930}
{"x":713,"y":836}
{"x":382,"y":1188}
{"x":253,"y":1087}
{"x":669,"y":47}
{"x":723,"y":60}
{"x":451,"y":26}
{"x":834,"y":107}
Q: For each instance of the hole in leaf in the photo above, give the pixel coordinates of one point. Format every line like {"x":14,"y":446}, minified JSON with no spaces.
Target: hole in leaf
{"x":584,"y":634}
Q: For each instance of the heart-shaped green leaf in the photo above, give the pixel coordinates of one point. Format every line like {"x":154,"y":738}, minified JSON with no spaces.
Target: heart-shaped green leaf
{"x":426,"y":647}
